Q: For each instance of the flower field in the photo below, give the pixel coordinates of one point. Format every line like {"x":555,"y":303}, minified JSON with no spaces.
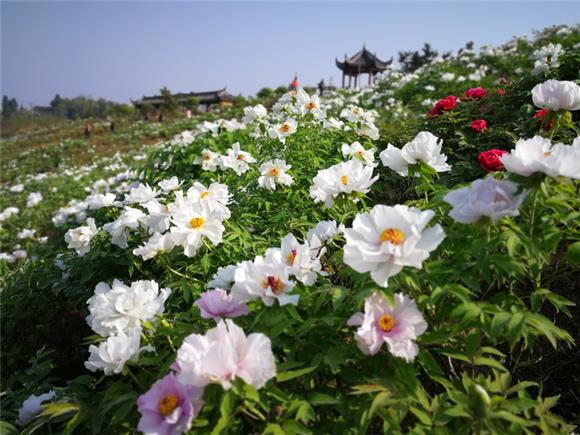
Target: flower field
{"x":398,"y":259}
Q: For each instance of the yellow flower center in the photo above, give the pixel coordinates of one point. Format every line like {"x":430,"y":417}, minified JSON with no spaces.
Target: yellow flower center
{"x":274,"y":283}
{"x":311,"y":106}
{"x":344,"y":180}
{"x":241,"y":157}
{"x":285,"y":128}
{"x":206,"y":157}
{"x":356,"y":111}
{"x":291,"y":257}
{"x":168,"y":404}
{"x":274,"y":172}
{"x":197,"y":222}
{"x":547,"y":153}
{"x":393,"y":235}
{"x":358,"y":154}
{"x":204,"y":194}
{"x":386,"y":322}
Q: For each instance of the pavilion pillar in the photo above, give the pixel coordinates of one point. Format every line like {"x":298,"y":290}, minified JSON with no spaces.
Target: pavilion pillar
{"x":370,"y":75}
{"x":343,"y":79}
{"x":356,"y":81}
{"x":349,"y":81}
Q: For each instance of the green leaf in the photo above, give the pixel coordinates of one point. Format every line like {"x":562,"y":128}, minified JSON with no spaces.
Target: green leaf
{"x":421,"y":415}
{"x":573,"y":253}
{"x":322,"y":399}
{"x":226,"y":411}
{"x":292,"y":374}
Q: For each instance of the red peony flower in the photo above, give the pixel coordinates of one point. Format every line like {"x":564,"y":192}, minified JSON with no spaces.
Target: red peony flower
{"x":500,"y":92}
{"x":479,"y":125}
{"x":489,"y":160}
{"x":443,"y":105}
{"x":475,"y":93}
{"x":541,"y":116}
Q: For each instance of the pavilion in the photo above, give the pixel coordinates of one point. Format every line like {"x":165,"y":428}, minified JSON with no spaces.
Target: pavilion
{"x":363,"y":62}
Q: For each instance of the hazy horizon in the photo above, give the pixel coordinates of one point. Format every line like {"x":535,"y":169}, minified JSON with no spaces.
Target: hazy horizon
{"x":124,"y":50}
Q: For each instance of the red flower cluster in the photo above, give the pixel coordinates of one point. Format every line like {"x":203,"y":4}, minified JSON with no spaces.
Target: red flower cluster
{"x":444,"y":105}
{"x":541,"y":116}
{"x":475,"y":93}
{"x":489,"y":160}
{"x":479,"y":125}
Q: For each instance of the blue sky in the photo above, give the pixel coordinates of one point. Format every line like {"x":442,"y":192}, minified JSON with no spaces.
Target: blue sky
{"x":123,"y":50}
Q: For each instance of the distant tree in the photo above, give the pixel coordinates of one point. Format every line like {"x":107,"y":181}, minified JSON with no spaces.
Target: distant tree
{"x":9,"y":107}
{"x":192,"y":103}
{"x":265,"y":93}
{"x":239,"y":101}
{"x":169,"y":101}
{"x":411,"y":61}
{"x":281,"y":90}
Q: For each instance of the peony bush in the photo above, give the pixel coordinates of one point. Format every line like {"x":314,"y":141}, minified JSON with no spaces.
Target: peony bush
{"x":267,"y":273}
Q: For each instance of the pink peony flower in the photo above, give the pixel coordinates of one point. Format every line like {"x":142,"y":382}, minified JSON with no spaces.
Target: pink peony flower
{"x":479,"y":125}
{"x":218,"y":303}
{"x":168,"y":407}
{"x":475,"y":93}
{"x":396,"y":326}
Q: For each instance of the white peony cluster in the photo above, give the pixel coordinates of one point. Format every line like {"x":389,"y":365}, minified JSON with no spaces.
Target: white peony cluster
{"x":547,"y":57}
{"x":343,"y":178}
{"x":356,"y":151}
{"x":425,"y":148}
{"x":235,"y":158}
{"x":33,"y":199}
{"x":117,"y":313}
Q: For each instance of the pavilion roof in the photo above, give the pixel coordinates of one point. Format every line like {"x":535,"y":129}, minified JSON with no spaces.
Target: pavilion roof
{"x":362,"y":62}
{"x":207,"y":97}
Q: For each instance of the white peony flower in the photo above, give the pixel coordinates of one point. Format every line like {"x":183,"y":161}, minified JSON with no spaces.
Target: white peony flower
{"x":8,"y":212}
{"x":300,"y":260}
{"x":425,"y":148}
{"x":209,"y":160}
{"x":33,"y":199}
{"x":398,"y":326}
{"x":486,"y":197}
{"x":17,"y":188}
{"x":215,"y":197}
{"x":538,"y":155}
{"x":254,"y":113}
{"x":192,"y":223}
{"x":31,"y":407}
{"x":169,"y":184}
{"x":274,"y":172}
{"x":387,"y":238}
{"x":156,"y":244}
{"x":345,"y":177}
{"x":120,"y":308}
{"x":111,"y":355}
{"x":26,"y":233}
{"x":80,"y":238}
{"x":265,"y":280}
{"x":306,"y":104}
{"x":224,"y":278}
{"x":119,"y":228}
{"x":324,"y":231}
{"x":100,"y":200}
{"x":557,"y":95}
{"x":237,"y":159}
{"x":356,"y":151}
{"x":141,"y":194}
{"x":283,"y":130}
{"x":223,"y":354}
